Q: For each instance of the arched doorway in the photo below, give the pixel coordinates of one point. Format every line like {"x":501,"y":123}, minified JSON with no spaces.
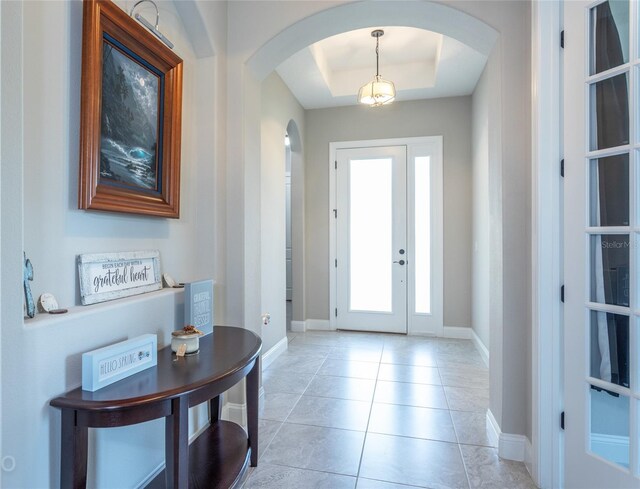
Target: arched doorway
{"x":313,"y":22}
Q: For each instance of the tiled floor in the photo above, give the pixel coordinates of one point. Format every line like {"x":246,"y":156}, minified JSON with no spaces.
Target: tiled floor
{"x":374,"y":411}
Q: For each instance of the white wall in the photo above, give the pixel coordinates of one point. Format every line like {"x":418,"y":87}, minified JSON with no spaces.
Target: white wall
{"x":278,"y":108}
{"x":481,"y":283}
{"x":41,"y":50}
{"x":449,"y":117}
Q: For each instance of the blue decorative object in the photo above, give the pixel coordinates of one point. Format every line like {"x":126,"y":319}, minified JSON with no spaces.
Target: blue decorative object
{"x":107,"y":365}
{"x":198,"y":305}
{"x":27,"y":275}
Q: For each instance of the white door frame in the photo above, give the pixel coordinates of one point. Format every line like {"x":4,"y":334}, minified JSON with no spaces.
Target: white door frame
{"x":546,"y":461}
{"x":437,"y":219}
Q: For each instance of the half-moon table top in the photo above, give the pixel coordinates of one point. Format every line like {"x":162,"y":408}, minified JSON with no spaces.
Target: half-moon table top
{"x":225,"y":352}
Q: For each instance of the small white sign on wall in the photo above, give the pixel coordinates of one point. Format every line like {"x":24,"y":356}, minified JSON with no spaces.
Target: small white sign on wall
{"x":112,"y":363}
{"x":108,"y":276}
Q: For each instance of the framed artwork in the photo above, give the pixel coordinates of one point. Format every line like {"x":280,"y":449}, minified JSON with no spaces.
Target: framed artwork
{"x":131,"y":116}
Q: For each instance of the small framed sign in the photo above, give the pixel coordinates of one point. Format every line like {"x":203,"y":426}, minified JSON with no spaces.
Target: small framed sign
{"x":198,"y":305}
{"x":112,"y":363}
{"x":108,"y":276}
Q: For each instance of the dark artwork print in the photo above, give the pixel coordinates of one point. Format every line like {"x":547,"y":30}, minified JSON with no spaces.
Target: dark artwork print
{"x":129,"y":126}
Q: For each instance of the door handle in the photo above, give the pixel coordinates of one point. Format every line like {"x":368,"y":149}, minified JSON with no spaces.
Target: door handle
{"x":401,"y":262}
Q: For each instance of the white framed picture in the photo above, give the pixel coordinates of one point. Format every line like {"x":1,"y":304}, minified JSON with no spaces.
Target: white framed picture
{"x":107,"y":276}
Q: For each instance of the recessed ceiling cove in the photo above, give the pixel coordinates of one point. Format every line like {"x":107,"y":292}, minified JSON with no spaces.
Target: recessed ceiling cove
{"x":422,"y":64}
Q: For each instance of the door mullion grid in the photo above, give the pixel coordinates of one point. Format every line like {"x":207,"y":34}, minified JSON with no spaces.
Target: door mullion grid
{"x":633,"y":231}
{"x":634,"y":428}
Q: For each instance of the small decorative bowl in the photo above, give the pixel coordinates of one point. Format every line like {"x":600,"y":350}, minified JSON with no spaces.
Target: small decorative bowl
{"x":188,"y":336}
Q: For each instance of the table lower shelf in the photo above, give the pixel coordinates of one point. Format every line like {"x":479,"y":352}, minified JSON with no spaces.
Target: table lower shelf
{"x":218,"y":458}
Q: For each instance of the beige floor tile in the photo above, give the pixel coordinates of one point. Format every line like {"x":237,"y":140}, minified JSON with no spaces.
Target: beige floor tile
{"x":331,"y":413}
{"x":420,"y":395}
{"x":488,"y":471}
{"x":341,"y":388}
{"x":423,"y":463}
{"x":409,"y":373}
{"x":316,"y":448}
{"x":415,"y":422}
{"x":345,"y":368}
{"x":268,"y":476}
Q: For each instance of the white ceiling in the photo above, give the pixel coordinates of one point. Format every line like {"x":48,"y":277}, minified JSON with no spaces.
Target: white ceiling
{"x":422,"y":64}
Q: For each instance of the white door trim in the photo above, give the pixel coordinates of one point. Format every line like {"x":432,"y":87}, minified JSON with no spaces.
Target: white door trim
{"x":547,"y":459}
{"x":437,"y":218}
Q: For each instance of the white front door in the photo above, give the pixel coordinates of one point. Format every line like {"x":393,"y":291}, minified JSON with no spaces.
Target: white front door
{"x":389,"y":237}
{"x":601,"y":220}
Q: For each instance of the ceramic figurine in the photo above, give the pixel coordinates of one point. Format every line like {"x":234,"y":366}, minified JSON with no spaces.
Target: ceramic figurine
{"x":28,"y":276}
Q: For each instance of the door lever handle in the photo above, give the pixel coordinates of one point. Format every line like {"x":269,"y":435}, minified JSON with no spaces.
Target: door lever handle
{"x":401,"y":262}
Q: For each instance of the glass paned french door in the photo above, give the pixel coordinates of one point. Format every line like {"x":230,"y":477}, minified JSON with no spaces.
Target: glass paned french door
{"x":602,"y":392}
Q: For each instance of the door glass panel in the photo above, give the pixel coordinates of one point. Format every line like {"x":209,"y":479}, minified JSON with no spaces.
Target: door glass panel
{"x":422,"y":225}
{"x":609,"y":35}
{"x":610,"y":269}
{"x":609,"y":433}
{"x":609,"y":112}
{"x":370,"y":252}
{"x":609,"y":191}
{"x":610,"y":347}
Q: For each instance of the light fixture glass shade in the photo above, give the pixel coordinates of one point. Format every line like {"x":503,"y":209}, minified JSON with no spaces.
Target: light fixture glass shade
{"x":377,"y":92}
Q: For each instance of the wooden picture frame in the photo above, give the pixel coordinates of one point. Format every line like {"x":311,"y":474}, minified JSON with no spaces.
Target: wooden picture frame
{"x":131,"y":82}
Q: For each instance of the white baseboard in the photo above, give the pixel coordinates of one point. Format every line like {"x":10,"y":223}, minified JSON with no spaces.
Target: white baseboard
{"x":274,"y":352}
{"x":298,"y":326}
{"x":147,"y":480}
{"x":154,"y":473}
{"x":456,"y":332}
{"x":480,"y":346}
{"x":318,"y":324}
{"x":528,"y":458}
{"x":235,"y":412}
{"x":493,"y":430}
{"x":510,"y":447}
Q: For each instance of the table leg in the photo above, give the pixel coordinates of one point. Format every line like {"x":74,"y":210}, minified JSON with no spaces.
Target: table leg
{"x":176,"y":444}
{"x":214,"y":410}
{"x":253,"y":380}
{"x":73,"y":456}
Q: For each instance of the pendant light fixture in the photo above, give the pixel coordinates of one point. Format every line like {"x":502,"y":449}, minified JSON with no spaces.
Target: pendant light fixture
{"x":379,"y":91}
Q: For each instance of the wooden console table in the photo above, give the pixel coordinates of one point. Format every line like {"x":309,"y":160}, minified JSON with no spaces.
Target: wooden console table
{"x":218,"y":457}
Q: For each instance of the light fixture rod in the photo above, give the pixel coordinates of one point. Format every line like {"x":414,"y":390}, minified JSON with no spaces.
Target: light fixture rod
{"x":154,"y":30}
{"x":377,"y":57}
{"x":377,"y":34}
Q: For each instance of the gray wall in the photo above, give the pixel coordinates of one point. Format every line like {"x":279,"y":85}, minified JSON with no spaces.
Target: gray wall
{"x":278,"y":108}
{"x":481,"y":282}
{"x":449,"y":117}
{"x":41,"y":54}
